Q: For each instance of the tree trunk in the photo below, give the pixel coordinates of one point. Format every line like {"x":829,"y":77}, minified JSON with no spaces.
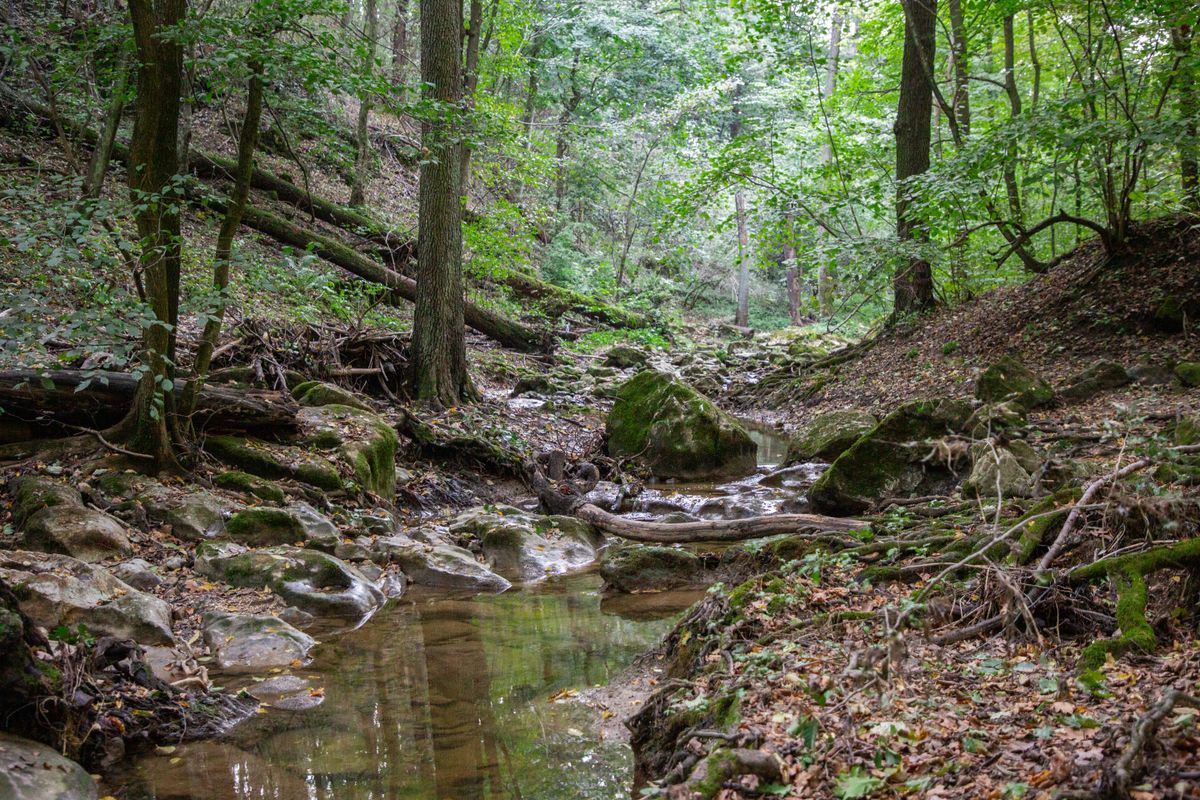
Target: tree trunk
{"x":531,"y":88}
{"x":362,"y":137}
{"x":153,"y":166}
{"x":439,"y":359}
{"x":912,"y":283}
{"x":742,"y":316}
{"x":98,"y":164}
{"x":1189,"y":110}
{"x":470,"y":82}
{"x":1014,"y":105}
{"x":400,"y":50}
{"x":570,"y":104}
{"x":958,"y":57}
{"x":793,"y":271}
{"x":247,"y":141}
{"x":824,"y":273}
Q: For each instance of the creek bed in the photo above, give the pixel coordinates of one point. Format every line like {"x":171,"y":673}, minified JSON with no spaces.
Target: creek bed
{"x":437,"y":697}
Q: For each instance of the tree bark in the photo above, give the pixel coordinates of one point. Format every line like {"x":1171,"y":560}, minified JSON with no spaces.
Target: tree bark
{"x":247,"y":141}
{"x":400,"y":50}
{"x":570,"y":104}
{"x":824,"y":273}
{"x":438,"y":357}
{"x":1014,"y":105}
{"x":1188,"y":103}
{"x":912,"y":283}
{"x":102,"y":153}
{"x":958,"y":57}
{"x":793,"y":271}
{"x":470,"y":83}
{"x":742,"y":316}
{"x":362,"y":162}
{"x":154,"y":163}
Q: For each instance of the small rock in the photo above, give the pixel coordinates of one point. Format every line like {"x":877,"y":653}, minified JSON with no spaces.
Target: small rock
{"x":138,"y":573}
{"x":1100,"y":377}
{"x":1188,"y":373}
{"x":1010,"y":380}
{"x":252,"y":642}
{"x":440,"y":566}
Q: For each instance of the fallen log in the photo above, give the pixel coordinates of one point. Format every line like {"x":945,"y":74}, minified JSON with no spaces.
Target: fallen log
{"x":721,"y":530}
{"x":76,"y":398}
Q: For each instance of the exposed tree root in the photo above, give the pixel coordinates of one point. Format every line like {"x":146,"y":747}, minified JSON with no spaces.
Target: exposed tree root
{"x":724,"y":764}
{"x":1118,"y":779}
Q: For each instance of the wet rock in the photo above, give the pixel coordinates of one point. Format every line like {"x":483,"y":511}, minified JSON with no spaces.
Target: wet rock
{"x":605,"y":495}
{"x":677,"y":431}
{"x":829,"y":435}
{"x":1010,"y":380}
{"x":198,"y":517}
{"x":894,"y":459}
{"x":676,"y":517}
{"x":441,"y":566}
{"x":59,"y":590}
{"x":250,"y":485}
{"x":33,"y":771}
{"x":254,"y":642}
{"x":313,"y":581}
{"x":724,"y":508}
{"x":526,"y":547}
{"x":534,"y":384}
{"x":138,"y":573}
{"x":263,"y":527}
{"x":1188,"y":373}
{"x":637,"y":568}
{"x":274,"y":461}
{"x":76,"y":531}
{"x":623,"y":356}
{"x":791,"y":477}
{"x":364,"y":441}
{"x":1100,"y":377}
{"x":318,"y":530}
{"x":316,"y":393}
{"x":286,"y":693}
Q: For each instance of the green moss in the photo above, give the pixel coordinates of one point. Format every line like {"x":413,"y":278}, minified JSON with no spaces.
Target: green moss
{"x":315,"y":393}
{"x":246,"y":483}
{"x":323,"y":476}
{"x":261,"y":527}
{"x":276,"y":462}
{"x":299,"y":389}
{"x":1009,"y":379}
{"x":1188,"y":373}
{"x":743,"y":594}
{"x":829,"y":436}
{"x":1034,"y":533}
{"x":1187,"y":430}
{"x":1135,"y":631}
{"x":32,"y":494}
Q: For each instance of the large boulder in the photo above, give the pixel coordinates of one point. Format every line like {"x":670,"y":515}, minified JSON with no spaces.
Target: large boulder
{"x":362,"y":440}
{"x":54,"y":519}
{"x":263,"y":527}
{"x":900,"y":456}
{"x":437,"y":565}
{"x":197,"y":516}
{"x":624,"y":356}
{"x":57,"y":590}
{"x":252,"y":485}
{"x":1010,"y":380}
{"x":254,"y":642}
{"x":275,"y":461}
{"x":829,"y":435}
{"x":32,"y":771}
{"x":312,"y":581}
{"x":1099,"y":377}
{"x":639,"y":568}
{"x":316,"y":393}
{"x":527,"y":547}
{"x":677,"y":431}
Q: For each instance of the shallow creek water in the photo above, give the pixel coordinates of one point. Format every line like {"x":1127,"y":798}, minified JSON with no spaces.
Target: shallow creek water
{"x":439,"y":697}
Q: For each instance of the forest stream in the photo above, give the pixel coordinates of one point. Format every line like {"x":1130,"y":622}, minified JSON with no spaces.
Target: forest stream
{"x":451,"y":696}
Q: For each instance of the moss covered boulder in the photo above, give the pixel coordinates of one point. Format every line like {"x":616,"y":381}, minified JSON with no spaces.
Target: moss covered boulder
{"x":624,"y":356}
{"x":997,"y":472}
{"x":1099,"y":377}
{"x":638,"y":568}
{"x":893,"y":459}
{"x":1188,"y":373}
{"x":53,"y":519}
{"x":829,"y":435}
{"x":1010,"y":380}
{"x":263,"y":527}
{"x":362,"y":440}
{"x":316,"y":393}
{"x":250,"y":485}
{"x":438,"y":565}
{"x":676,"y":431}
{"x":275,"y":461}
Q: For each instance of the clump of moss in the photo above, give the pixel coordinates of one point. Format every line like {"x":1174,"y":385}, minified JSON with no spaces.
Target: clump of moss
{"x":1034,"y":532}
{"x":246,"y":483}
{"x":264,"y":527}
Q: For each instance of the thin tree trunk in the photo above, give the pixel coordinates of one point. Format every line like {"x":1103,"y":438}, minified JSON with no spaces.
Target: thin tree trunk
{"x":912,"y":283}
{"x":438,"y":356}
{"x":247,"y":141}
{"x":400,"y":50}
{"x":362,"y":137}
{"x":531,"y":89}
{"x":1014,"y":105}
{"x":742,"y":316}
{"x":560,"y":144}
{"x":154,"y":164}
{"x":97,"y":167}
{"x":958,"y":57}
{"x":825,"y":287}
{"x":1189,"y":109}
{"x":793,"y":272}
{"x":1034,"y":62}
{"x":470,"y":83}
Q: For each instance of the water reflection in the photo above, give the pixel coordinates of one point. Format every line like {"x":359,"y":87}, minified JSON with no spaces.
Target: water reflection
{"x":435,"y":699}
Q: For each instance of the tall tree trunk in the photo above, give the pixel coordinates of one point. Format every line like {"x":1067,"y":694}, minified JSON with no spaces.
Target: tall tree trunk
{"x":825,"y":287}
{"x":400,"y":50}
{"x":247,"y":141}
{"x":154,"y":163}
{"x":531,"y":88}
{"x":793,"y":273}
{"x":570,"y":104}
{"x":958,"y":58}
{"x":1034,"y":61}
{"x":362,"y":137}
{"x":742,"y":316}
{"x":98,"y":164}
{"x":1014,"y":106}
{"x":912,"y":283}
{"x":438,"y":357}
{"x":1189,"y":109}
{"x":470,"y":83}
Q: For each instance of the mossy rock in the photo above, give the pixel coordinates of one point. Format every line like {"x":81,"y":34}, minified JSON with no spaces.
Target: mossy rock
{"x":274,"y":461}
{"x":1187,"y":430}
{"x":315,"y":393}
{"x":676,"y":431}
{"x":534,"y":383}
{"x":829,"y":435}
{"x":623,"y":356}
{"x":633,"y":568}
{"x":366,"y":443}
{"x":248,"y":484}
{"x":31,"y":494}
{"x":1010,"y":380}
{"x":889,"y":461}
{"x":1099,"y":377}
{"x":1188,"y":373}
{"x":263,"y":527}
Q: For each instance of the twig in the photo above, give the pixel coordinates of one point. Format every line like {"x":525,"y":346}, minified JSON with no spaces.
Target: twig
{"x":1115,"y":783}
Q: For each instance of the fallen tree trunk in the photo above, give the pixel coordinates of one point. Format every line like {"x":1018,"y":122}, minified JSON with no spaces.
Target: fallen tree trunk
{"x":558,"y":301}
{"x":722,"y":530}
{"x":507,"y":332}
{"x":76,"y":398}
